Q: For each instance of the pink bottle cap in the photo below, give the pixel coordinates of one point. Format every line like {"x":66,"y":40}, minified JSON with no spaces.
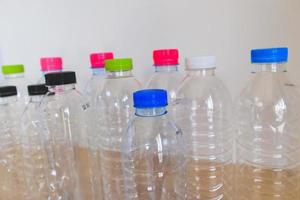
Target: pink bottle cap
{"x":164,"y":57}
{"x":97,"y":59}
{"x":51,"y":64}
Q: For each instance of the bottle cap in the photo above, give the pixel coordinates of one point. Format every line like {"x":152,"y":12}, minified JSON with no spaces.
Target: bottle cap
{"x":13,"y":69}
{"x":51,"y":64}
{"x":150,"y":98}
{"x":97,"y":59}
{"x":119,"y":64}
{"x":39,"y":89}
{"x":165,"y":57}
{"x":203,"y":62}
{"x":60,"y":78}
{"x":7,"y":91}
{"x":271,"y":55}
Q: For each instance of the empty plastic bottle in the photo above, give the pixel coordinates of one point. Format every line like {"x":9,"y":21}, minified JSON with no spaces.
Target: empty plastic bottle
{"x":268,"y":140}
{"x":12,"y":182}
{"x":14,"y":75}
{"x":92,"y":89}
{"x":153,"y":151}
{"x":50,"y":65}
{"x":35,"y":157}
{"x":114,"y":108}
{"x":95,"y":83}
{"x":166,"y":75}
{"x":66,"y":132}
{"x":204,"y":113}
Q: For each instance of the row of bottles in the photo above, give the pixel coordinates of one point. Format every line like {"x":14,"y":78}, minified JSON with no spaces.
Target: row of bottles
{"x":182,"y":138}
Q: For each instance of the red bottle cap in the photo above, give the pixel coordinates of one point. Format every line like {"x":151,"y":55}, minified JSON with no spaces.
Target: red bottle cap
{"x":163,"y":57}
{"x":51,"y":64}
{"x":97,"y":59}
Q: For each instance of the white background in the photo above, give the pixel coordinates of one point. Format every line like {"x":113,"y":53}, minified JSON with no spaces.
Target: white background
{"x":72,"y":29}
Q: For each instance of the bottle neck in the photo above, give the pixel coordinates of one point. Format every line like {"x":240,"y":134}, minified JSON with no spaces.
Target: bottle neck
{"x":61,"y":88}
{"x":12,"y":76}
{"x":7,"y":100}
{"x":98,"y":71}
{"x":119,"y":74}
{"x":269,"y":68}
{"x":150,"y":112}
{"x":50,"y":71}
{"x":201,"y":72}
{"x":166,"y":68}
{"x":36,"y":98}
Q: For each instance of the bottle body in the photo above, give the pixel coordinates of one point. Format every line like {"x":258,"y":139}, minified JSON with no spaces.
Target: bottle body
{"x":204,"y":115}
{"x":13,"y":182}
{"x":66,"y":133}
{"x":268,"y":142}
{"x":114,"y":111}
{"x":36,"y":164}
{"x":153,"y":158}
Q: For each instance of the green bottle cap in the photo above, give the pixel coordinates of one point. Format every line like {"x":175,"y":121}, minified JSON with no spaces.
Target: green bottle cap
{"x":12,"y":69}
{"x":119,"y":64}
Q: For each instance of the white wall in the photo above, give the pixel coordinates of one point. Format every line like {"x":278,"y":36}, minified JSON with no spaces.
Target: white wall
{"x":72,"y":29}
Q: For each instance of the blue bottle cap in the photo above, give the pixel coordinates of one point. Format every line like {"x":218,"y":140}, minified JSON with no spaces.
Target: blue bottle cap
{"x":150,"y":98}
{"x":271,"y":55}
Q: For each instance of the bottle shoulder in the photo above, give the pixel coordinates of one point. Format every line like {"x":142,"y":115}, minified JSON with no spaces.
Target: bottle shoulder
{"x":11,"y":113}
{"x":93,"y":86}
{"x":119,"y":88}
{"x":271,"y":93}
{"x":153,"y":136}
{"x":152,"y":126}
{"x":31,"y":116}
{"x":204,"y":91}
{"x":165,"y":80}
{"x":69,"y":99}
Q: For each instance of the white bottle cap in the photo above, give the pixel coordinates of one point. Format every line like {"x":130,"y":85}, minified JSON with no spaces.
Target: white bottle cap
{"x":203,"y":62}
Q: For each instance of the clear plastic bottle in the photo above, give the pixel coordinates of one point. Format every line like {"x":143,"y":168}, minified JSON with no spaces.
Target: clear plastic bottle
{"x":95,"y":83}
{"x":153,"y":151}
{"x":92,"y":89}
{"x":14,"y":75}
{"x":204,"y":113}
{"x":12,"y":182}
{"x":50,"y":65}
{"x":114,"y":110}
{"x":268,"y":140}
{"x":35,"y":157}
{"x":166,"y":75}
{"x":66,"y":132}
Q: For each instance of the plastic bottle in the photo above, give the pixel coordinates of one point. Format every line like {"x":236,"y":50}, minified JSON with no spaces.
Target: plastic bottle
{"x":14,"y":75}
{"x":114,"y":110}
{"x":92,"y":89}
{"x":153,"y":150}
{"x":35,"y":157}
{"x":167,"y":76}
{"x":95,"y":83}
{"x":65,"y":111}
{"x":50,"y":65}
{"x":12,"y":183}
{"x":268,"y":140}
{"x":204,"y":113}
